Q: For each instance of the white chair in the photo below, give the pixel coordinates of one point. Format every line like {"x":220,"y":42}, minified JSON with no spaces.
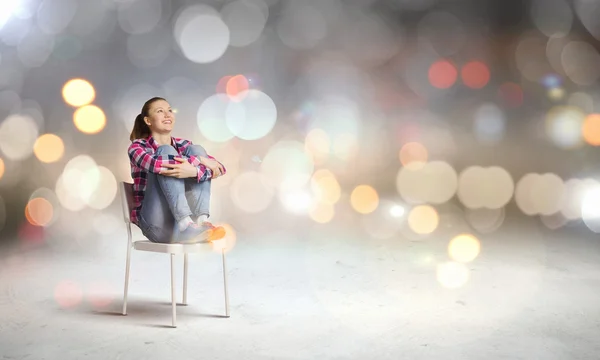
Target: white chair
{"x":173,"y":249}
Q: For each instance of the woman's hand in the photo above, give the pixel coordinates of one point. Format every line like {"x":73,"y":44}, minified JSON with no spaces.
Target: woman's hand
{"x":182,"y":170}
{"x":213,"y":165}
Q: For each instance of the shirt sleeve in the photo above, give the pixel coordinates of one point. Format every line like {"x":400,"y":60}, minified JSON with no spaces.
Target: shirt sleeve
{"x":204,"y":173}
{"x":224,"y":168}
{"x":150,"y":162}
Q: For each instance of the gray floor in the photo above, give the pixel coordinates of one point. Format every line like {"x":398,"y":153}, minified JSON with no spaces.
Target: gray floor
{"x":321,"y":292}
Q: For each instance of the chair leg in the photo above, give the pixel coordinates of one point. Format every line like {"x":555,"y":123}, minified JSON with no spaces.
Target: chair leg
{"x":127,"y":265}
{"x":173,"y":305}
{"x":225,"y":283}
{"x":185,"y":278}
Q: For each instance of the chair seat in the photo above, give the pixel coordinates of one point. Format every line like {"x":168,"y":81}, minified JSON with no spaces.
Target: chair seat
{"x":146,"y":245}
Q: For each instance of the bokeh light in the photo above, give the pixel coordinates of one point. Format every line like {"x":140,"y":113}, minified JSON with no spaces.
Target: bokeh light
{"x":212,"y":117}
{"x":452,"y":275}
{"x":245,"y":20}
{"x":540,"y":194}
{"x":442,"y":74}
{"x":591,"y":129}
{"x":364,"y":199}
{"x":464,"y":248}
{"x":552,"y":17}
{"x":317,"y":143}
{"x":78,"y":183}
{"x":100,"y":294}
{"x":252,"y":115}
{"x":301,"y":25}
{"x":104,"y":189}
{"x":78,"y":92}
{"x":475,"y":74}
{"x":18,"y":134}
{"x":2,"y":168}
{"x":435,"y":182}
{"x":228,"y":242}
{"x":590,"y":209}
{"x":201,"y":34}
{"x":322,"y":212}
{"x":250,"y":192}
{"x":490,"y":188}
{"x":413,"y":154}
{"x":39,"y":212}
{"x":68,"y":294}
{"x":296,"y":201}
{"x":325,"y":186}
{"x":49,"y":148}
{"x":237,"y":87}
{"x":563,"y":126}
{"x":579,"y":60}
{"x":489,"y":125}
{"x":423,"y":219}
{"x":89,"y":119}
{"x":287,"y":165}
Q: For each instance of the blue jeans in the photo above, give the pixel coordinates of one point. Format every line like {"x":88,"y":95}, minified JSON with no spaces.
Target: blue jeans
{"x":168,"y":200}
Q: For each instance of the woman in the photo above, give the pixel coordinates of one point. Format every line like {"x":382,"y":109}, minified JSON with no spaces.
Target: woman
{"x":171,"y":180}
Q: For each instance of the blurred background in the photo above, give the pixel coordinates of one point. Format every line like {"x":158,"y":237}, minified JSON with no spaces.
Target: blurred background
{"x":393,"y":118}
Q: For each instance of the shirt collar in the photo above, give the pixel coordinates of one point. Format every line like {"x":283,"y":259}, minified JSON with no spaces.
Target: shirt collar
{"x":155,"y":145}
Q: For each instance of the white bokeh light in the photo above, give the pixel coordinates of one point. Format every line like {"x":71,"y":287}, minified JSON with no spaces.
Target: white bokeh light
{"x":590,"y":209}
{"x":140,"y":16}
{"x":287,"y":165}
{"x":246,"y":20}
{"x":105,"y":190}
{"x":212,"y":118}
{"x":201,"y":34}
{"x":18,"y":134}
{"x":250,"y":193}
{"x":53,"y":16}
{"x":253,"y":117}
{"x":78,"y":182}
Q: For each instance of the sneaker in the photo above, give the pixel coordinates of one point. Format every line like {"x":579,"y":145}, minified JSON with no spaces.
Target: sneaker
{"x":193,"y":234}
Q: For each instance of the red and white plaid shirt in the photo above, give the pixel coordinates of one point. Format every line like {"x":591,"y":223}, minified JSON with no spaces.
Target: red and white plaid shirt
{"x":144,"y":160}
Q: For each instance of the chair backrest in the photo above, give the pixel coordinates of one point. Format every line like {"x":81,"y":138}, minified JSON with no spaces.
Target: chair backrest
{"x":127,"y":200}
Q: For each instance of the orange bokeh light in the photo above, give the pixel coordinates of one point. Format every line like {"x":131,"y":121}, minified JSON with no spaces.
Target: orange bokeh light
{"x":222,"y":84}
{"x":39,"y":212}
{"x":413,"y":154}
{"x":1,"y":168}
{"x":236,"y":85}
{"x":591,"y":129}
{"x":475,"y":74}
{"x":227,"y":242}
{"x":442,"y":74}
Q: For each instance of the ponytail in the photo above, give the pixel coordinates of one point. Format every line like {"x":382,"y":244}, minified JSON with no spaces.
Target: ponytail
{"x":141,"y":130}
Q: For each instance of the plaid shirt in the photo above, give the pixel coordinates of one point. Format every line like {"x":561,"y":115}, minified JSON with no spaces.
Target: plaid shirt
{"x":144,"y":160}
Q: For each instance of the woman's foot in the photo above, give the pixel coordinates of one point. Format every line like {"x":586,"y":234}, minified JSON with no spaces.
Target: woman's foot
{"x":193,"y":233}
{"x":218,"y":232}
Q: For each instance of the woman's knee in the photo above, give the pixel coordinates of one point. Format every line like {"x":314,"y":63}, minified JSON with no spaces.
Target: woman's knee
{"x":197,"y":150}
{"x":166,"y":150}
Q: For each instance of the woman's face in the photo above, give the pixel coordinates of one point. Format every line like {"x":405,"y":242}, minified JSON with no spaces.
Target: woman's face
{"x":161,"y":118}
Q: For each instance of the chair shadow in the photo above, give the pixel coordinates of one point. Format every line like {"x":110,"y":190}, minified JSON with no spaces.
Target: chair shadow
{"x":141,"y":309}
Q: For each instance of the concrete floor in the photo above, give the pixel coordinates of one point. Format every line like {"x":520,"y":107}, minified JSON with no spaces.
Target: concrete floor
{"x":325,"y":292}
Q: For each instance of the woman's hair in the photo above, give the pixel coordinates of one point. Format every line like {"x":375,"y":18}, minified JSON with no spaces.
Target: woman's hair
{"x":141,"y":130}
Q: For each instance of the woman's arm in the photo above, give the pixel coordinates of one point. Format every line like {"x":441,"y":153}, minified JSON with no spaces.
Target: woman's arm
{"x":139,"y":155}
